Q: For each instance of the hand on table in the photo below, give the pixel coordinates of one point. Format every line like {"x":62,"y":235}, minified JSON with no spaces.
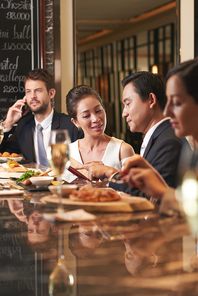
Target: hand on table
{"x":16,"y":207}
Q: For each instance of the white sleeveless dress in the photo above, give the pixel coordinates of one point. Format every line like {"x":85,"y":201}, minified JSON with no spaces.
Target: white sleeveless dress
{"x":110,"y":157}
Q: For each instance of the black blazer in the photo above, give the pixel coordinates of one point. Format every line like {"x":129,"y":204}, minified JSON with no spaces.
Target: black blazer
{"x":20,"y":139}
{"x":163,"y":153}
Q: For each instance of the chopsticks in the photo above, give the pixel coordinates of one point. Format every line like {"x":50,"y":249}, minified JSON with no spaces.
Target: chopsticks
{"x":77,"y":173}
{"x":22,"y":166}
{"x":48,"y":171}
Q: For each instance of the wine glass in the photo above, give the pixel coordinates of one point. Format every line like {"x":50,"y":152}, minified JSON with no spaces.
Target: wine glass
{"x":58,"y":157}
{"x":61,"y":279}
{"x":1,"y":132}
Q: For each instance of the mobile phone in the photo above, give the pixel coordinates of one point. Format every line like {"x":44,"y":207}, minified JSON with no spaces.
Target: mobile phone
{"x":25,"y":109}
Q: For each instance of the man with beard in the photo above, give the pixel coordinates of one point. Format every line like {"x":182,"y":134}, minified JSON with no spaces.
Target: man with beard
{"x":23,"y":139}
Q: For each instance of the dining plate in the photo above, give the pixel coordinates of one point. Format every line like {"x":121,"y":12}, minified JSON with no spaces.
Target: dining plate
{"x":11,"y":194}
{"x":127,"y":203}
{"x":4,"y":159}
{"x":17,"y":169}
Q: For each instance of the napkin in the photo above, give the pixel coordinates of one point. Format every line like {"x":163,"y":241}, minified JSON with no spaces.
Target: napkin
{"x":75,"y":215}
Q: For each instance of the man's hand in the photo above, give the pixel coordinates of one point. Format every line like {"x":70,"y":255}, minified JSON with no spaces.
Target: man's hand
{"x":135,"y":161}
{"x":97,"y":170}
{"x":14,"y":114}
{"x":147,"y":180}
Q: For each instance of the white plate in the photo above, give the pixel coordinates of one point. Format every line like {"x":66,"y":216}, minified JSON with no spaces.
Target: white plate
{"x":127,"y":203}
{"x":4,"y":159}
{"x":65,"y":188}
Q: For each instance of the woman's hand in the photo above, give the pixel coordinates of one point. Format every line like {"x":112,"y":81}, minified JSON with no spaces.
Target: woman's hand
{"x":97,"y":170}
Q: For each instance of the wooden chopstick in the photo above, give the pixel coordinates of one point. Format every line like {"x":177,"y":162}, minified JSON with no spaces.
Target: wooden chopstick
{"x":48,"y":171}
{"x":24,"y":167}
{"x":77,"y":173}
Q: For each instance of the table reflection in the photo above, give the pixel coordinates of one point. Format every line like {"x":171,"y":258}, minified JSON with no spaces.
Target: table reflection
{"x":84,"y":239}
{"x":118,"y":254}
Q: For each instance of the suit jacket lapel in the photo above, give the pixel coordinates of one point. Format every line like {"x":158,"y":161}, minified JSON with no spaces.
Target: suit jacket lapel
{"x":30,"y":140}
{"x":55,"y":120}
{"x":27,"y":134}
{"x":156,"y":133}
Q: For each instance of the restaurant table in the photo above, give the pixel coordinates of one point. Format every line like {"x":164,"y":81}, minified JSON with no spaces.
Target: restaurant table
{"x":139,"y":253}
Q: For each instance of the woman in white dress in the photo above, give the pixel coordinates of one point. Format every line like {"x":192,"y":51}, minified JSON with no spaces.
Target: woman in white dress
{"x":87,"y":112}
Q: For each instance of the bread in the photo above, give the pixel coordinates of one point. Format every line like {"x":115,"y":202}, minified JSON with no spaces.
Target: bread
{"x":90,"y":194}
{"x":15,"y":155}
{"x":6,"y":154}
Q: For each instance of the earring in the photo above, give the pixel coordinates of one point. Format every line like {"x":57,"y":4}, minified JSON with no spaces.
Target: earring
{"x":153,"y":260}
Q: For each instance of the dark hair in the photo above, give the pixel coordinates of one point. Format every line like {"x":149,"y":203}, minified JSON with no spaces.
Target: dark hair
{"x":46,"y":246}
{"x":78,"y":93}
{"x":76,"y":247}
{"x":187,"y":72}
{"x":43,"y":75}
{"x":146,"y":83}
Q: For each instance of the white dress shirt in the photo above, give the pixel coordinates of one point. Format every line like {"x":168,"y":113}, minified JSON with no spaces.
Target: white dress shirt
{"x":149,"y":134}
{"x":46,"y":124}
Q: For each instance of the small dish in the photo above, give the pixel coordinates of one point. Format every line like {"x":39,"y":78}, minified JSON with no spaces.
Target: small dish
{"x":41,"y":181}
{"x":66,"y":189}
{"x":5,"y":159}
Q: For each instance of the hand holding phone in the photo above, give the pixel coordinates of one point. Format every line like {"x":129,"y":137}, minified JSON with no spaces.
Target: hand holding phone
{"x":25,"y":109}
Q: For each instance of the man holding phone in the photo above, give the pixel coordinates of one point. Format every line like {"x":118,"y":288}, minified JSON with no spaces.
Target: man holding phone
{"x":23,"y":139}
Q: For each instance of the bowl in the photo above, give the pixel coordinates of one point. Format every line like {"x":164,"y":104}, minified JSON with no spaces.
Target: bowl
{"x":41,"y":181}
{"x":66,"y":189}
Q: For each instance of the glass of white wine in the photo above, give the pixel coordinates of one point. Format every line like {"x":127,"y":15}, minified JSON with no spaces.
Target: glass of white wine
{"x":61,"y":280}
{"x":58,"y":157}
{"x":1,"y":132}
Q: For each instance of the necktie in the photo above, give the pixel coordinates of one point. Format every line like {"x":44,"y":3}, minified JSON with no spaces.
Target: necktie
{"x":142,"y":149}
{"x":41,"y":148}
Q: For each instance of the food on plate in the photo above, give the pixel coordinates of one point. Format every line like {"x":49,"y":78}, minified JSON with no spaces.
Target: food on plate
{"x":14,"y":155}
{"x":90,"y":194}
{"x":6,"y":154}
{"x":24,"y":179}
{"x":12,"y":163}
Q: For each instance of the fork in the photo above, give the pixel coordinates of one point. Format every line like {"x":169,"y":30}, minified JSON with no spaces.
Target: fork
{"x":115,"y":179}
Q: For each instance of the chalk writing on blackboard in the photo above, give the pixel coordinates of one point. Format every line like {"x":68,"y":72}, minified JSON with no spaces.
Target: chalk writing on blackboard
{"x":16,"y":49}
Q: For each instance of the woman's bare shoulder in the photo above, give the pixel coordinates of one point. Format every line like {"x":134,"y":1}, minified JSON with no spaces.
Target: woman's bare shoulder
{"x":126,"y":150}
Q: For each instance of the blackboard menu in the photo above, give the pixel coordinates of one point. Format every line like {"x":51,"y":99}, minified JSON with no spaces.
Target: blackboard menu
{"x":19,"y":48}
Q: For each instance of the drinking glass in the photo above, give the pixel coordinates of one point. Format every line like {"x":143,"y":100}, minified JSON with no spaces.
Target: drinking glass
{"x":187,"y":196}
{"x":1,"y":132}
{"x":58,"y":157}
{"x":61,"y":280}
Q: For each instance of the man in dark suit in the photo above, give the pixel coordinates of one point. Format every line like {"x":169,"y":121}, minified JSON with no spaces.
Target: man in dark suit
{"x":144,"y":100}
{"x":23,"y":139}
